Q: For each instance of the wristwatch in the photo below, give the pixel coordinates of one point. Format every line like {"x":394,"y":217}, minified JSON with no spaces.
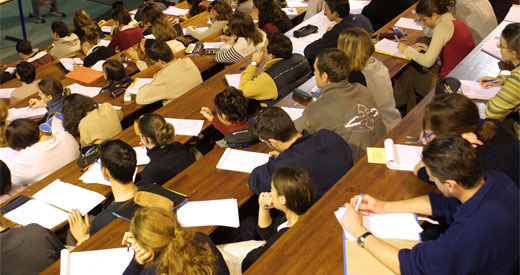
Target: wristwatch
{"x":254,"y":63}
{"x":361,"y":240}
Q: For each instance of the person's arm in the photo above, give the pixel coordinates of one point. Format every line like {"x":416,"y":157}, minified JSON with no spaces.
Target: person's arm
{"x":151,"y":92}
{"x":79,"y":226}
{"x":228,"y":55}
{"x":265,"y":203}
{"x":215,"y":27}
{"x":260,"y":178}
{"x":419,"y":205}
{"x":262,"y":87}
{"x":114,"y":43}
{"x":507,"y":99}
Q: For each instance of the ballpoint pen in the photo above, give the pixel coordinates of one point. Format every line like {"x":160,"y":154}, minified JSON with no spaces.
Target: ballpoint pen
{"x":358,"y":202}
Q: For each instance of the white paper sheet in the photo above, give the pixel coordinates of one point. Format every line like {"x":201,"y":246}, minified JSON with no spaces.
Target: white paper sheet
{"x":137,"y":84}
{"x":208,"y":213}
{"x":94,"y":175}
{"x":409,"y":23}
{"x":68,"y":63}
{"x":142,"y":157}
{"x":233,"y":80}
{"x":319,"y":20}
{"x":26,"y":112}
{"x":473,"y":89}
{"x":8,"y":154}
{"x":389,"y":47}
{"x":241,"y":161}
{"x":481,"y":109}
{"x":514,"y":14}
{"x":35,"y":211}
{"x":294,"y":113}
{"x":6,"y":92}
{"x":296,"y":4}
{"x":104,"y":42}
{"x":186,"y":127}
{"x":149,"y":36}
{"x":213,"y":45}
{"x":98,"y":66}
{"x":173,"y":11}
{"x":490,"y":47}
{"x":10,"y":70}
{"x":107,"y":261}
{"x":107,"y":29}
{"x":290,"y":11}
{"x":83,"y":90}
{"x":402,"y":157}
{"x":356,"y":6}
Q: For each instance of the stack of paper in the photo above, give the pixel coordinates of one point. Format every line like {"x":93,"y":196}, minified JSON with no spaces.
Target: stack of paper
{"x":6,"y":92}
{"x":402,"y":157}
{"x":94,"y":175}
{"x":186,"y":127}
{"x":26,"y":112}
{"x":68,"y":63}
{"x":233,"y":80}
{"x":137,"y":84}
{"x":35,"y":211}
{"x":83,"y":90}
{"x":209,"y":213}
{"x":241,"y":161}
{"x":409,"y":23}
{"x":474,"y":90}
{"x":294,"y":113}
{"x":490,"y":47}
{"x":173,"y":11}
{"x":514,"y":14}
{"x":107,"y":261}
{"x":142,"y":156}
{"x":213,"y":45}
{"x":389,"y":47}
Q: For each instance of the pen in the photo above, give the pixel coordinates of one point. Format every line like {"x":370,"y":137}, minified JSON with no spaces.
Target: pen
{"x":490,"y":80}
{"x":427,"y":136}
{"x":397,"y":39}
{"x":358,"y":202}
{"x":402,"y":32}
{"x":316,"y":95}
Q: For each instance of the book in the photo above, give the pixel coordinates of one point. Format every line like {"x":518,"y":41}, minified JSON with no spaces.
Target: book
{"x":209,"y":213}
{"x":186,"y":127}
{"x":389,"y":47}
{"x":402,"y":157}
{"x":83,"y":90}
{"x":102,"y":262}
{"x":241,"y":161}
{"x":233,"y":80}
{"x":84,"y":75}
{"x":474,"y":90}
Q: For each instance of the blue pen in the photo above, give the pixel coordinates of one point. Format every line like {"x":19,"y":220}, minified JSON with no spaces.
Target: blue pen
{"x":397,"y":39}
{"x":402,"y":32}
{"x":358,"y":202}
{"x":426,"y":136}
{"x":89,"y":150}
{"x":316,"y":95}
{"x":242,"y":68}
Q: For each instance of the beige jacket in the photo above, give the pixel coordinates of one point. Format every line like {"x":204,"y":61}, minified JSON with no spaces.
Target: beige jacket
{"x":100,"y":125}
{"x":215,"y":27}
{"x":64,"y":46}
{"x":24,"y":91}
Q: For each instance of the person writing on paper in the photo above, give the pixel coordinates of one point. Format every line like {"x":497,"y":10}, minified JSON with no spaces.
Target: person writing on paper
{"x":292,"y":192}
{"x":507,"y":102}
{"x":346,"y":108}
{"x":118,"y":161}
{"x":26,"y":73}
{"x":167,"y":157}
{"x":271,"y":17}
{"x":481,"y":209}
{"x":455,"y":114}
{"x":220,"y":11}
{"x":176,"y":77}
{"x":162,"y":246}
{"x":324,"y":154}
{"x":150,"y":14}
{"x":34,"y":56}
{"x":138,"y":55}
{"x":52,"y":94}
{"x":92,"y":51}
{"x":128,"y":35}
{"x":451,"y":42}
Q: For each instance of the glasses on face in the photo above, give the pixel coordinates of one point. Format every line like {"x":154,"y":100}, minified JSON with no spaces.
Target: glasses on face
{"x":499,"y":45}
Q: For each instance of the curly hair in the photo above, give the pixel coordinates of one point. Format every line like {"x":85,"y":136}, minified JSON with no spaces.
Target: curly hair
{"x":232,"y":103}
{"x":75,"y":108}
{"x":269,"y":11}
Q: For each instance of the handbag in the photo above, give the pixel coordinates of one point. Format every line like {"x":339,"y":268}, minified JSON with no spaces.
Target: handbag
{"x":304,"y":31}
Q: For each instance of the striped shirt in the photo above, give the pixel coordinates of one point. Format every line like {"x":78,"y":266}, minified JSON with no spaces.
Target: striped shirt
{"x":231,"y":53}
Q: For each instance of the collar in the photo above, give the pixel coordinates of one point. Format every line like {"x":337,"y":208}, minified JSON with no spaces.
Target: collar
{"x":55,"y":105}
{"x":93,"y":49}
{"x":126,"y":27}
{"x":270,"y":63}
{"x":334,"y":85}
{"x":470,"y":206}
{"x":445,"y":17}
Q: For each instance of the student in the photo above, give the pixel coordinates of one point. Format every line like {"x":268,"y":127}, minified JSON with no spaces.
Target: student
{"x":127,"y":35}
{"x":52,"y":94}
{"x":244,"y":40}
{"x":325,"y":155}
{"x":230,"y":111}
{"x":507,"y":101}
{"x":380,"y":12}
{"x":36,"y":57}
{"x":162,"y":246}
{"x":115,"y":74}
{"x":39,"y":156}
{"x":343,"y":107}
{"x":282,"y":72}
{"x":175,"y":78}
{"x":167,"y":157}
{"x":151,"y":13}
{"x":314,"y":7}
{"x":64,"y":42}
{"x":93,"y":124}
{"x":220,"y":11}
{"x":119,"y":5}
{"x":338,"y":11}
{"x":292,"y":192}
{"x":481,"y":209}
{"x":139,"y":14}
{"x":478,"y":15}
{"x":451,"y":42}
{"x":163,"y":30}
{"x":6,"y":189}
{"x":118,"y":161}
{"x":271,"y":17}
{"x":455,"y":114}
{"x":359,"y":49}
{"x":244,"y":6}
{"x":196,"y":7}
{"x":26,"y":73}
{"x":4,"y":76}
{"x":138,"y":55}
{"x":92,"y":51}
{"x":82,"y":24}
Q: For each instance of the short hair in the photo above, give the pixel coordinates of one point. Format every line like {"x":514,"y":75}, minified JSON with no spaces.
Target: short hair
{"x":51,"y":86}
{"x":163,"y":30}
{"x":159,"y":51}
{"x":26,"y":72}
{"x":453,"y":158}
{"x":91,"y":37}
{"x":118,"y":5}
{"x":232,"y":103}
{"x":119,"y":158}
{"x":342,"y":7}
{"x":358,"y":46}
{"x":121,"y":16}
{"x":511,"y":34}
{"x":279,"y":45}
{"x":274,"y":123}
{"x":60,"y":28}
{"x":156,"y":128}
{"x":5,"y":179}
{"x":297,"y":186}
{"x":75,"y":108}
{"x":24,"y":47}
{"x":223,"y":9}
{"x":334,"y":62}
{"x":428,"y":7}
{"x":22,"y":133}
{"x":114,"y":70}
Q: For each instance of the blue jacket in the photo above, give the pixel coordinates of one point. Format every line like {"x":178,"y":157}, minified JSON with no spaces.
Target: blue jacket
{"x":325,"y":155}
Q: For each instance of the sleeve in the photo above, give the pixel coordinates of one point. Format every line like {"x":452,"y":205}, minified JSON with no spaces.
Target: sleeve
{"x":141,"y":65}
{"x":114,"y":43}
{"x":260,"y":178}
{"x":219,"y":125}
{"x":89,"y":60}
{"x":261,"y":88}
{"x":443,"y":206}
{"x":270,"y":28}
{"x":441,"y":35}
{"x":133,"y":268}
{"x":271,"y":230}
{"x":507,"y":99}
{"x":215,"y":27}
{"x":329,"y":40}
{"x":149,"y":93}
{"x":228,"y":55}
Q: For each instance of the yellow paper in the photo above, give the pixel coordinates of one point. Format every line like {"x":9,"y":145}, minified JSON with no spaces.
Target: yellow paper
{"x":376,"y":155}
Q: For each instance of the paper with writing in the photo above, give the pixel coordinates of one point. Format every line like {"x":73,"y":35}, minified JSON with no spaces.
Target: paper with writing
{"x":241,"y":161}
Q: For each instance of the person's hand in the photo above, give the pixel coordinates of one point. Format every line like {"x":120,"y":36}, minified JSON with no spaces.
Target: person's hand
{"x":368,"y":204}
{"x":265,"y":200}
{"x":352,"y":222}
{"x":142,"y":255}
{"x":75,"y":66}
{"x":472,"y":138}
{"x":258,"y":56}
{"x":421,"y":47}
{"x":128,"y":239}
{"x":132,"y":54}
{"x":79,"y":226}
{"x":273,"y":154}
{"x":488,"y":81}
{"x":183,"y":17}
{"x":35,"y":103}
{"x":402,"y":47}
{"x":226,"y":39}
{"x":206,"y":112}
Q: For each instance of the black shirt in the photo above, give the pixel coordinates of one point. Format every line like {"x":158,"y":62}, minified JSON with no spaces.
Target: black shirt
{"x":98,"y":53}
{"x":105,"y":217}
{"x":166,"y":163}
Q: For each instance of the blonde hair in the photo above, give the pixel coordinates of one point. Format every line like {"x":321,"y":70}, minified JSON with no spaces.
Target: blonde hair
{"x":3,"y":123}
{"x":81,"y":20}
{"x":358,"y":46}
{"x":155,"y":127}
{"x":176,"y":250}
{"x":163,"y":30}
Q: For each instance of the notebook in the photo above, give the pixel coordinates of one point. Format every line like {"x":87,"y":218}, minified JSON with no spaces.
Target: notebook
{"x":389,"y":47}
{"x":85,"y":75}
{"x":402,"y":157}
{"x":474,"y":90}
{"x":209,"y":213}
{"x":100,"y":262}
{"x":409,"y":23}
{"x":68,"y":63}
{"x":233,"y":80}
{"x":241,"y":161}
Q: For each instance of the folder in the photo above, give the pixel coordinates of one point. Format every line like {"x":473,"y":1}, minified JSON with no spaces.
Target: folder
{"x":85,"y":75}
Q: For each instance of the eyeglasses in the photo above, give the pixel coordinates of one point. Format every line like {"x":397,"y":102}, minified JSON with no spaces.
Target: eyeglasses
{"x":499,"y":45}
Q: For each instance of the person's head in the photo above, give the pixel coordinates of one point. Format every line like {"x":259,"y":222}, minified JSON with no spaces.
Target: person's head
{"x":118,"y":161}
{"x":293,"y":189}
{"x":81,"y":20}
{"x":4,"y":112}
{"x":121,"y":17}
{"x":230,"y":105}
{"x":151,"y":12}
{"x":196,"y":7}
{"x":510,"y":43}
{"x":269,"y":11}
{"x":337,"y":9}
{"x":331,"y":65}
{"x":118,"y":5}
{"x":163,"y":30}
{"x":174,"y":249}
{"x":160,"y":52}
{"x":5,"y":178}
{"x":24,"y":49}
{"x":242,"y":25}
{"x":220,"y":10}
{"x":88,"y":41}
{"x":26,"y":72}
{"x":455,"y":114}
{"x":75,"y":108}
{"x":274,"y":127}
{"x":50,"y":89}
{"x":22,"y":133}
{"x":430,"y":10}
{"x":113,"y":70}
{"x":278,"y":46}
{"x":59,"y":30}
{"x":155,"y":131}
{"x":452,"y":164}
{"x":357,"y":45}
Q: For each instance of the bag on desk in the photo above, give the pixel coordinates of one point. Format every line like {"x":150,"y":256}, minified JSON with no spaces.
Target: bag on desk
{"x":447,"y":85}
{"x":88,"y":155}
{"x":241,"y":138}
{"x":304,"y":31}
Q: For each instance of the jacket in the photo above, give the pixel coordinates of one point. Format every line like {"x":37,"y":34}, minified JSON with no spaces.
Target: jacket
{"x":166,"y":163}
{"x":98,"y":53}
{"x":215,"y":27}
{"x":24,"y":91}
{"x":126,"y":38}
{"x":39,"y":59}
{"x":65,"y":45}
{"x":100,"y":125}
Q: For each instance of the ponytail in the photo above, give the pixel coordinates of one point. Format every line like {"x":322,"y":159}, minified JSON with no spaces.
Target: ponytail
{"x":53,"y":87}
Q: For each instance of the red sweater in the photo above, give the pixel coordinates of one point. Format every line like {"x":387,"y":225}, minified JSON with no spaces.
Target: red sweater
{"x":460,"y":45}
{"x":123,"y":40}
{"x":225,"y":129}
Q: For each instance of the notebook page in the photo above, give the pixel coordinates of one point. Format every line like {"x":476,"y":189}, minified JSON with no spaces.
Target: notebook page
{"x":94,"y":175}
{"x":186,"y":127}
{"x":137,"y":84}
{"x":68,"y":63}
{"x":490,"y":47}
{"x":35,"y":211}
{"x":294,"y":113}
{"x":171,"y":10}
{"x":474,"y":90}
{"x":142,"y":157}
{"x":84,"y":90}
{"x":241,"y":161}
{"x":233,"y":80}
{"x":101,"y":262}
{"x":6,"y":92}
{"x":26,"y":112}
{"x":402,"y":157}
{"x":296,"y":4}
{"x":208,"y":213}
{"x":409,"y":23}
{"x":389,"y":47}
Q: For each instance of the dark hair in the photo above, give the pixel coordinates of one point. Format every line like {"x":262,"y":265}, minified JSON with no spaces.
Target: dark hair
{"x":24,"y":46}
{"x":342,"y":7}
{"x":26,"y":72}
{"x":453,"y":158}
{"x":223,"y":9}
{"x":159,"y":51}
{"x":154,"y":126}
{"x":5,"y":178}
{"x":75,"y":108}
{"x":151,"y":12}
{"x":429,"y":7}
{"x":279,"y":45}
{"x":232,"y":103}
{"x":297,"y":186}
{"x":511,"y":34}
{"x":22,"y":133}
{"x":114,"y":70}
{"x":455,"y":114}
{"x":116,"y":5}
{"x":91,"y":37}
{"x":274,"y":123}
{"x":197,"y":6}
{"x":121,"y":16}
{"x":269,"y":11}
{"x":60,"y":28}
{"x":334,"y":62}
{"x":53,"y":87}
{"x":242,"y":25}
{"x":119,"y":158}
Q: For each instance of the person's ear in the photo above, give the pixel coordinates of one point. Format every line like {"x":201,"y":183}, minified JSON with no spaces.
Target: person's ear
{"x":106,"y":173}
{"x":282,"y":200}
{"x":325,"y":77}
{"x":452,"y":185}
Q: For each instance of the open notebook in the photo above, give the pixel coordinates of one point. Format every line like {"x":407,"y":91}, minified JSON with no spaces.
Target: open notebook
{"x":474,"y":90}
{"x":241,"y":161}
{"x":402,"y":157}
{"x":100,"y":262}
{"x":389,"y":47}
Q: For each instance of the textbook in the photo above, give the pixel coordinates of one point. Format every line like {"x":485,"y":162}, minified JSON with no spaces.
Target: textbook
{"x":84,"y":75}
{"x":209,"y":213}
{"x":473,"y":90}
{"x":100,"y":262}
{"x":402,"y":157}
{"x":50,"y":205}
{"x":241,"y":161}
{"x":389,"y":47}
